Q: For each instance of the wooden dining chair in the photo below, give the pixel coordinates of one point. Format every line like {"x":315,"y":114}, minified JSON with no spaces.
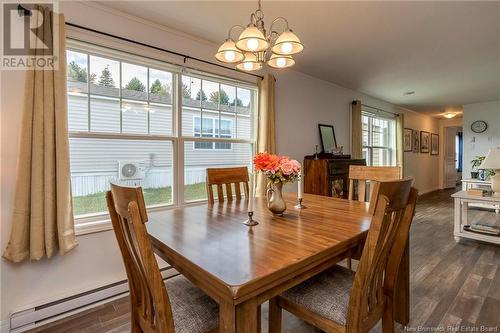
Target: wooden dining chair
{"x":226,"y":177}
{"x":185,"y":308}
{"x":340,"y":300}
{"x":360,"y":174}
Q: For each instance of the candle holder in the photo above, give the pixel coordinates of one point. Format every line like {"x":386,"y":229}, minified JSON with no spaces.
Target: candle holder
{"x":250,"y":222}
{"x":299,"y":205}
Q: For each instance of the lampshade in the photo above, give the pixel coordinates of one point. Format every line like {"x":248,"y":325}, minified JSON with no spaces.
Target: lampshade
{"x":287,"y":44}
{"x":229,"y":53}
{"x":492,"y":160}
{"x":250,"y":63}
{"x":252,"y":40}
{"x":281,"y":61}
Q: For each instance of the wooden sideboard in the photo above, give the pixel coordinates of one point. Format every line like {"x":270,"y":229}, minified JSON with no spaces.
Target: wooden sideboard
{"x":329,"y":174}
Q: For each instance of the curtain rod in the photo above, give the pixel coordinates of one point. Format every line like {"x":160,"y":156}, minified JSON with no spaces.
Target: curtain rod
{"x":26,"y":12}
{"x":380,"y":110}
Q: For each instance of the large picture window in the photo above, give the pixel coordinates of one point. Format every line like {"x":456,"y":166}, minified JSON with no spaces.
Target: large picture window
{"x":379,"y":138}
{"x":127,"y":125}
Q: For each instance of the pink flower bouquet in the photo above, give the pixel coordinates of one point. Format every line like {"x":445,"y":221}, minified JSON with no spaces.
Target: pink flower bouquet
{"x":278,"y":169}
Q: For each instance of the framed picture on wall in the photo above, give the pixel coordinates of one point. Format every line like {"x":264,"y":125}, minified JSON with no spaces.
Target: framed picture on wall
{"x":424,"y":142}
{"x":407,"y":139}
{"x":416,"y":141}
{"x":434,"y":144}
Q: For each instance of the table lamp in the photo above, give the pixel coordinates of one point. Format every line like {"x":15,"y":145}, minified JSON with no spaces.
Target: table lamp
{"x":492,"y":161}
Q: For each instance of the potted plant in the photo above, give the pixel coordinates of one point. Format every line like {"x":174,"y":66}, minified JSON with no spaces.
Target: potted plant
{"x":481,"y":174}
{"x":476,"y":162}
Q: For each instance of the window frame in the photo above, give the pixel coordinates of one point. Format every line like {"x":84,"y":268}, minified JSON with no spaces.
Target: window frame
{"x":369,"y":147}
{"x":94,"y":222}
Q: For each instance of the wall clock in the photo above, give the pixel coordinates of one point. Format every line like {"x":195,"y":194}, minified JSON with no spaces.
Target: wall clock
{"x":479,"y":126}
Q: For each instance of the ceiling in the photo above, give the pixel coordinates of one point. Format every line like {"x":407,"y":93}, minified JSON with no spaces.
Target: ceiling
{"x":448,"y":53}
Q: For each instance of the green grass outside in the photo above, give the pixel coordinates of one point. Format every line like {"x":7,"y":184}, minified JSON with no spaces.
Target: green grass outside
{"x":95,"y":203}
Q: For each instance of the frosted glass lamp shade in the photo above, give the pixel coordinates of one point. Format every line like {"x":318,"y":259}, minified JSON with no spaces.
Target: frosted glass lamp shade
{"x":280,"y":61}
{"x":492,"y":160}
{"x":250,"y":63}
{"x":287,"y":44}
{"x":229,"y":53}
{"x":252,"y":40}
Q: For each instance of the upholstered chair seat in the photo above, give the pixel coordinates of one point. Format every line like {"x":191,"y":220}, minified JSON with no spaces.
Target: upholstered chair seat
{"x":193,"y":311}
{"x":326,"y":294}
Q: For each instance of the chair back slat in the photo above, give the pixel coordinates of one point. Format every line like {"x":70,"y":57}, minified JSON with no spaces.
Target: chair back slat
{"x":392,"y":201}
{"x":351,"y":189}
{"x":229,"y":192}
{"x":225,"y":178}
{"x":237,"y":190}
{"x":392,"y":283}
{"x":151,"y":311}
{"x":360,"y":174}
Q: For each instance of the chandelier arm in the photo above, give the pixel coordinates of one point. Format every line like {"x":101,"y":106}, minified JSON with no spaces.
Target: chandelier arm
{"x":231,"y":30}
{"x":253,"y":19}
{"x":278,"y":19}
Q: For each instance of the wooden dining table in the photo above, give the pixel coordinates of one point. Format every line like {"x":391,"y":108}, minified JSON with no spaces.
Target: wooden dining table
{"x":241,"y":267}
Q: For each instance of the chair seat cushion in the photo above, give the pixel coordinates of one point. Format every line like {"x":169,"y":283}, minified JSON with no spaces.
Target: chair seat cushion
{"x":326,"y":294}
{"x":193,"y":311}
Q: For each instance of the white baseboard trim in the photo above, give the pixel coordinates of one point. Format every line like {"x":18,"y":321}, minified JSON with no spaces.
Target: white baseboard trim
{"x":4,"y":326}
{"x":43,"y":314}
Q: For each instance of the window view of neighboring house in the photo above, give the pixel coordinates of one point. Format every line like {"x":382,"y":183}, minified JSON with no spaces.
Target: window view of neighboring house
{"x":379,"y":139}
{"x":122,"y":120}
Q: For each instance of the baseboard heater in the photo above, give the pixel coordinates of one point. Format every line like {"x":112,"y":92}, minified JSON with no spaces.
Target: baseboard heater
{"x":21,"y":321}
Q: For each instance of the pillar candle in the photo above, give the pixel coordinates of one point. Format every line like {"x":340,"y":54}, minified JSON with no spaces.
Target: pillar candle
{"x":299,"y":188}
{"x":251,"y":193}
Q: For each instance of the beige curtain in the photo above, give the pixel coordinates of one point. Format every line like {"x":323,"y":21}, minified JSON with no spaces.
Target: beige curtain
{"x":266,"y":131}
{"x":400,"y":124}
{"x":42,"y":220}
{"x":357,"y":138}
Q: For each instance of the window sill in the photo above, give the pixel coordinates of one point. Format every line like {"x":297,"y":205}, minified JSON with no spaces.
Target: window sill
{"x":101,"y":223}
{"x":93,"y":227}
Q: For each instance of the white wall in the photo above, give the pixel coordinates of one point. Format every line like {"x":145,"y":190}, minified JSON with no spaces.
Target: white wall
{"x":423,"y":167}
{"x":302,"y":103}
{"x":478,"y":144}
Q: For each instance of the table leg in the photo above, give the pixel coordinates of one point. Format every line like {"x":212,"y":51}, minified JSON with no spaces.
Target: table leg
{"x":402,"y":289}
{"x":457,"y":219}
{"x":465,"y":211}
{"x":242,"y":318}
{"x":247,"y":317}
{"x":227,"y":318}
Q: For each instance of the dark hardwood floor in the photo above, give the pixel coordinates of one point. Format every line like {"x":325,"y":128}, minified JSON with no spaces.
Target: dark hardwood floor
{"x":455,"y":287}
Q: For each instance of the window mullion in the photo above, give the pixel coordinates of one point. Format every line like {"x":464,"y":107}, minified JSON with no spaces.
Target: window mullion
{"x":88,"y":92}
{"x":120,"y":96}
{"x":148,"y":104}
{"x":178,"y":190}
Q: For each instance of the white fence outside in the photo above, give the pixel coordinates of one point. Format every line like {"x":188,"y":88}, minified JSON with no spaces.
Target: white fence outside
{"x":89,"y":183}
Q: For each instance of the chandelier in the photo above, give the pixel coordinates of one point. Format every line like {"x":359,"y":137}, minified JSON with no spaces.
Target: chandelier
{"x":255,"y":47}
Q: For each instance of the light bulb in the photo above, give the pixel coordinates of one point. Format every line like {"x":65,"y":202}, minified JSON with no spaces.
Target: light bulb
{"x":286,"y":48}
{"x":281,"y":62}
{"x":252,"y":44}
{"x":247,"y":66}
{"x":229,"y":55}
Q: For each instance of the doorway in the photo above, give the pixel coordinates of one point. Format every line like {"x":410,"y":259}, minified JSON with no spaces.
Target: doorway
{"x":453,"y":156}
